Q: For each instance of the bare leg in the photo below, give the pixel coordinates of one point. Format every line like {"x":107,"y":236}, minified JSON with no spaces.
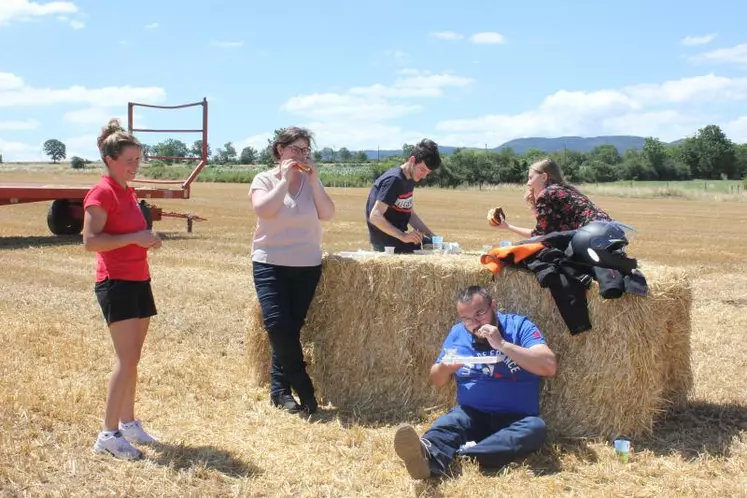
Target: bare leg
{"x":127,"y":412}
{"x":127,"y":344}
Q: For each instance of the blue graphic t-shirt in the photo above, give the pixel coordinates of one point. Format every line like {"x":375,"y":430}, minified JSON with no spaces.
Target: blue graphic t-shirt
{"x":502,"y":387}
{"x":395,"y":190}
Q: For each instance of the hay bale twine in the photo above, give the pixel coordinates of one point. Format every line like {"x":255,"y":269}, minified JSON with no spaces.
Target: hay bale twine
{"x":377,"y":324}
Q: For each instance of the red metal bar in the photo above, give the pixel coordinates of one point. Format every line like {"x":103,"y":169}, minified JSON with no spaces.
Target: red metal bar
{"x":175,"y":157}
{"x":166,"y":131}
{"x":158,"y":182}
{"x":171,"y":106}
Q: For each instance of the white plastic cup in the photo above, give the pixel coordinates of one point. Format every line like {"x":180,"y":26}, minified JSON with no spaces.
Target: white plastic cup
{"x":622,"y":450}
{"x":505,"y":243}
{"x":438,"y":242}
{"x":389,"y":249}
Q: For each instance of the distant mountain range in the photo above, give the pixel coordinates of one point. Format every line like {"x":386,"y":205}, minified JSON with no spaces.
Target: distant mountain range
{"x":521,"y":145}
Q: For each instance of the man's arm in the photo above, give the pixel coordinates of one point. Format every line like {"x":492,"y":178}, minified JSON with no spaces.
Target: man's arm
{"x":377,"y":219}
{"x":441,"y":373}
{"x":418,"y":224}
{"x":538,"y":359}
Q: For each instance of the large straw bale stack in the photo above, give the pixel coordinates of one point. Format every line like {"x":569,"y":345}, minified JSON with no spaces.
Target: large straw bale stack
{"x":377,"y":324}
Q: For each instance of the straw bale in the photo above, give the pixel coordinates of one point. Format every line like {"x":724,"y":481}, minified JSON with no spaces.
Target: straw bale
{"x":377,"y":324}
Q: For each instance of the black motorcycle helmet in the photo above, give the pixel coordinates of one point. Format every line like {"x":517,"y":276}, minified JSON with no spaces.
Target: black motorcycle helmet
{"x":602,"y":243}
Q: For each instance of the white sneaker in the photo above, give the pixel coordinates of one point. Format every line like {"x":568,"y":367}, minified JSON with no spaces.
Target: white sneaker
{"x":116,"y":445}
{"x":134,"y":433}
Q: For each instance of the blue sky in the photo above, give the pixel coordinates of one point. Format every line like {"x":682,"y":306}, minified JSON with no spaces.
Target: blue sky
{"x":367,"y":74}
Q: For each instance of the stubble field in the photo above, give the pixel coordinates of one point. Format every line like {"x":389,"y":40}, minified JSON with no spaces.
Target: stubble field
{"x":220,"y":436}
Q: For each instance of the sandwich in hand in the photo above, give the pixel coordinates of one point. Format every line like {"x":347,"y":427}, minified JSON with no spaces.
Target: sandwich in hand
{"x":303,"y":167}
{"x":496,"y":216}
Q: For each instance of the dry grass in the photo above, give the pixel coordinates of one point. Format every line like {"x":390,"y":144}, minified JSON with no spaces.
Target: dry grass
{"x":221,"y":438}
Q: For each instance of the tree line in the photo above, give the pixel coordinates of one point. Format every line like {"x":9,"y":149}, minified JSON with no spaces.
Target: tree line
{"x":709,"y":154}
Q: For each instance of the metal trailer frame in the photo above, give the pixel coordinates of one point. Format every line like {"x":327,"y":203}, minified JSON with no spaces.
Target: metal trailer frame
{"x":65,"y":215}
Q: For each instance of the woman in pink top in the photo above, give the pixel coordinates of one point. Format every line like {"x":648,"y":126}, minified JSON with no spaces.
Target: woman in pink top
{"x":289,"y":201}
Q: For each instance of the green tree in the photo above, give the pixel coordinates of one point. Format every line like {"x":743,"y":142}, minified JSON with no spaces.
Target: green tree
{"x":196,"y":149}
{"x":716,"y":153}
{"x":77,"y":162}
{"x":248,"y":155}
{"x":407,"y":151}
{"x":171,"y":148}
{"x":740,"y":160}
{"x":360,"y":157}
{"x":344,"y":154}
{"x":55,"y":149}
{"x":606,"y":153}
{"x":654,"y":154}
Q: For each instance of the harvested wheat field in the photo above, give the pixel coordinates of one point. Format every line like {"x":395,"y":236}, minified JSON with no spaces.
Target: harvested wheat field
{"x":219,"y":435}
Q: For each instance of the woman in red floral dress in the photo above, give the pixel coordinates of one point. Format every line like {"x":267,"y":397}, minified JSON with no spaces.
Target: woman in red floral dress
{"x":556,"y":205}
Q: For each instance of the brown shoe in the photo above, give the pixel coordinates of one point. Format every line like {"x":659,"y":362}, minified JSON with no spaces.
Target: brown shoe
{"x":410,"y":448}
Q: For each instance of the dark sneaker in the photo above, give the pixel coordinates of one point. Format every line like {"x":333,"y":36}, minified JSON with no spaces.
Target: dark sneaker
{"x":413,"y":451}
{"x":286,"y":402}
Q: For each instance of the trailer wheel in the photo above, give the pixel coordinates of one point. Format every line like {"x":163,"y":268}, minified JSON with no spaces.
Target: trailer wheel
{"x":145,"y":209}
{"x":61,"y":220}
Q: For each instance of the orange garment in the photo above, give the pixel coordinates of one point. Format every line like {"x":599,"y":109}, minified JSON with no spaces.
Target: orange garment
{"x":497,"y":257}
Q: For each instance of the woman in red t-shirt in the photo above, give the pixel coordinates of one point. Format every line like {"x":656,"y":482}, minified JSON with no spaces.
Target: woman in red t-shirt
{"x":114,"y":227}
{"x":556,"y":205}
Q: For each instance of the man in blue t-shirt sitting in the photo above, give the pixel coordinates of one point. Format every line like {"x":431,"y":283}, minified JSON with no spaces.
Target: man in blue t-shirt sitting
{"x":496,"y":419}
{"x":390,"y":208}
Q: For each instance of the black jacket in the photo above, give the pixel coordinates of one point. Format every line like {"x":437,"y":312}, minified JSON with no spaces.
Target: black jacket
{"x":568,"y":280}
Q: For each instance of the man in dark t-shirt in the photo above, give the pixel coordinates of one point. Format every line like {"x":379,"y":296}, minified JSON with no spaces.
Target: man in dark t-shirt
{"x":389,"y":208}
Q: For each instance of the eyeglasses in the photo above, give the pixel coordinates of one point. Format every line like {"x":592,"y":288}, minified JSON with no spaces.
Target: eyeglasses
{"x":300,"y":150}
{"x":478,"y":316}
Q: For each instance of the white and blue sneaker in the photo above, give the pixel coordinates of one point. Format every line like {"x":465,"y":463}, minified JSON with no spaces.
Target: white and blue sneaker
{"x":114,"y":444}
{"x":134,"y":433}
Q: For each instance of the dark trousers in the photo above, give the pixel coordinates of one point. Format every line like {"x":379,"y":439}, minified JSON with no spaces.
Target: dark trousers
{"x":500,"y":438}
{"x":285,"y":294}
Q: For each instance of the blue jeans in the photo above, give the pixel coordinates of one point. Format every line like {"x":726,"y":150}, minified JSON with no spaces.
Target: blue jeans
{"x":285,"y":294}
{"x":500,"y":438}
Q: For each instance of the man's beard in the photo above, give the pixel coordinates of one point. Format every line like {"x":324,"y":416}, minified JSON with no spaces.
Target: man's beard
{"x":480,"y":343}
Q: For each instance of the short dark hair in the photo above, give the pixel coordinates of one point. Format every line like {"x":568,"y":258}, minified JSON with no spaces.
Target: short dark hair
{"x":427,"y":151}
{"x":466,"y":294}
{"x":286,"y":136}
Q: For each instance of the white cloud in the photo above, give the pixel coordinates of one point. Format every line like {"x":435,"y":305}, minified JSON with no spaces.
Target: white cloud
{"x":375,"y":102}
{"x":15,"y":93}
{"x":20,"y":151}
{"x":361,"y":135}
{"x":92,"y":116}
{"x":447,"y":35}
{"x":29,"y":124}
{"x":82,"y":146}
{"x":24,"y":10}
{"x":733,"y":55}
{"x":487,"y":38}
{"x":698,"y":40}
{"x":77,"y":24}
{"x":736,"y":130}
{"x":258,"y":141}
{"x":668,"y":110}
{"x":152,"y":25}
{"x":358,"y":117}
{"x":227,"y":44}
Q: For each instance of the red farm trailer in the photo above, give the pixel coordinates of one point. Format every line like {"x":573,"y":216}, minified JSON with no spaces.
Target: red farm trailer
{"x":65,"y":215}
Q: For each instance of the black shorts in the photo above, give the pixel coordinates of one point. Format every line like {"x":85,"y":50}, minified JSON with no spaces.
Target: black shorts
{"x":125,"y":299}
